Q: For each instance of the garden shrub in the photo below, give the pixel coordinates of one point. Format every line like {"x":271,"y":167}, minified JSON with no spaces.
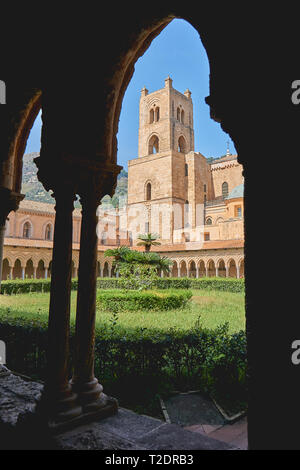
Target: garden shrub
{"x":208,"y":359}
{"x":210,"y":283}
{"x":115,"y":301}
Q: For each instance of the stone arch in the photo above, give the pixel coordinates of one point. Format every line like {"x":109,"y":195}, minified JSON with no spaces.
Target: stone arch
{"x":17,"y":269}
{"x":28,"y":112}
{"x":40,"y":270}
{"x":241,"y":265}
{"x":181,"y":144}
{"x":192,"y":268}
{"x":29,"y":269}
{"x":174,"y":272}
{"x":106,"y":269}
{"x":183,"y":268}
{"x":157,"y":111}
{"x":50,"y":268}
{"x":224,"y":189}
{"x":26,"y":229}
{"x":221,"y":268}
{"x":211,"y":268}
{"x":153,"y":144}
{"x":151,"y":116}
{"x":232,"y":271}
{"x":5,"y":269}
{"x":148,"y":190}
{"x":201,"y":268}
{"x":208,"y":221}
{"x":48,"y":229}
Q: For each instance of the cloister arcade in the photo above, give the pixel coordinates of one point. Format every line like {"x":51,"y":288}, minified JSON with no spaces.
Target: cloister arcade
{"x":22,"y":267}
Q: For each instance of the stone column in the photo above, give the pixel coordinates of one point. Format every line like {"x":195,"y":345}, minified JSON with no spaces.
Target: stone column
{"x":206,"y":271}
{"x":58,"y":401}
{"x":23,"y":272}
{"x":46,"y":273}
{"x":178,"y":271}
{"x":197,"y":272}
{"x":10,"y":201}
{"x":11,"y":272}
{"x":2,"y":232}
{"x":34,"y":272}
{"x":109,"y":271}
{"x":238,"y":271}
{"x":227,"y":271}
{"x":217,"y":271}
{"x":84,"y":383}
{"x":101,"y":271}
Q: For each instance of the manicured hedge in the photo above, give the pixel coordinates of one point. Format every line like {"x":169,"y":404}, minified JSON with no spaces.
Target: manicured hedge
{"x":211,"y":283}
{"x":22,"y":286}
{"x":117,"y":300}
{"x":210,"y":360}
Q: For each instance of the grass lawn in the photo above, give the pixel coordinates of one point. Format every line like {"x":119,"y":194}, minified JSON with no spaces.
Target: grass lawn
{"x":213,"y":307}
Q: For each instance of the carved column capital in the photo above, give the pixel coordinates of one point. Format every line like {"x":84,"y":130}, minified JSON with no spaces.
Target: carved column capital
{"x":10,"y":201}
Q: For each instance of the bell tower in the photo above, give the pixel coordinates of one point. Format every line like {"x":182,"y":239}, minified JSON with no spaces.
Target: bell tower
{"x":165,"y":121}
{"x":164,"y":180}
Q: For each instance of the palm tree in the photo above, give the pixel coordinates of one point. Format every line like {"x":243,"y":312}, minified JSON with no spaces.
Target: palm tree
{"x":118,"y":253}
{"x":148,"y":240}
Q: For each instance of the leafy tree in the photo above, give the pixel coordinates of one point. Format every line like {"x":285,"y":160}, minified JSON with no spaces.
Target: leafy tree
{"x":148,"y":240}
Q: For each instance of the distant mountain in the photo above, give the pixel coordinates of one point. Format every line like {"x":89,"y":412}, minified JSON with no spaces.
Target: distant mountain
{"x":35,"y":191}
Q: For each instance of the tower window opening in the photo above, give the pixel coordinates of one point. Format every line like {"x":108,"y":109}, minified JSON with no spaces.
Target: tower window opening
{"x":186,"y":169}
{"x":224,"y":189}
{"x":153,"y":145}
{"x":182,"y":117}
{"x":157,"y":114}
{"x":48,"y":232}
{"x":26,"y":230}
{"x":181,"y":145}
{"x":151,"y":116}
{"x":148,"y":192}
{"x":178,"y":114}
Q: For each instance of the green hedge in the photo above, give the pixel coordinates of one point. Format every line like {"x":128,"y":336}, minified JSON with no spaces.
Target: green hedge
{"x":210,"y":360}
{"x":211,"y":283}
{"x":22,"y":286}
{"x":115,"y":301}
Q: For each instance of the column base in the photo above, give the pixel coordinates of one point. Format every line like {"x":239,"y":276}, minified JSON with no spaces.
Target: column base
{"x":41,"y":426}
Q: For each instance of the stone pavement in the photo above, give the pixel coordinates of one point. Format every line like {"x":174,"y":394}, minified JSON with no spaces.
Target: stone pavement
{"x":192,"y":408}
{"x":125,"y":430}
{"x":234,"y":434}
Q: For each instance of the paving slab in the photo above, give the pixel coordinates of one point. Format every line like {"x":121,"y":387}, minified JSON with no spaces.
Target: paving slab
{"x":189,"y":409}
{"x":174,"y":437}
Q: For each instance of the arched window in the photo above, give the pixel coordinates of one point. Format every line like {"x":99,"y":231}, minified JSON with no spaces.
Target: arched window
{"x":153,"y":145}
{"x":208,"y":221}
{"x":224,"y":189}
{"x":157,"y":114}
{"x":178,"y":114}
{"x":26,"y":230}
{"x":151,"y":116}
{"x":181,"y":145}
{"x":48,"y":232}
{"x":182,"y":117}
{"x":148,"y":192}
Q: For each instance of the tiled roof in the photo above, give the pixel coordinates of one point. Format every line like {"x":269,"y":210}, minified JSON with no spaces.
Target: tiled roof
{"x":189,"y":246}
{"x":224,"y":159}
{"x":37,"y":206}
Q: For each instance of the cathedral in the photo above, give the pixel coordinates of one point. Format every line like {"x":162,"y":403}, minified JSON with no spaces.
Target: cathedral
{"x":193,"y":204}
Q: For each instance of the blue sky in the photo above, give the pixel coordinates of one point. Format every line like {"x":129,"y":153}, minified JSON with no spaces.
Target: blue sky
{"x":179,"y":53}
